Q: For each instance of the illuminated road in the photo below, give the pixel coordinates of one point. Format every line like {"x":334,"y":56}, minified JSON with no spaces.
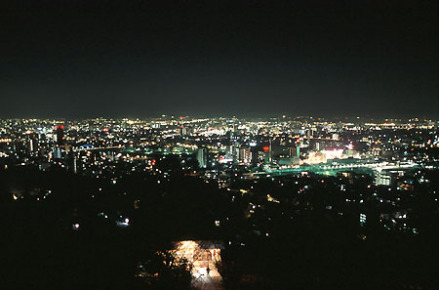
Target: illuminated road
{"x":331,"y":168}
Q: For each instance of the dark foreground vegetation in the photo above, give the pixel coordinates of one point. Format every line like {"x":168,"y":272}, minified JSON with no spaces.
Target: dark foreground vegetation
{"x":59,"y":231}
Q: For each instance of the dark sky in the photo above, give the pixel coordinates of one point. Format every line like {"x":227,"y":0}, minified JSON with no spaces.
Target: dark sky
{"x":256,"y":58}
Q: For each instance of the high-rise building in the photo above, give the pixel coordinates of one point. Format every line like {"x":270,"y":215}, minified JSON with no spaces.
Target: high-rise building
{"x":202,"y":157}
{"x":75,"y":164}
{"x":32,"y":144}
{"x":235,"y":151}
{"x":245,"y":155}
{"x":267,"y":152}
{"x":91,"y":130}
{"x":57,"y":153}
{"x":270,"y":152}
{"x":59,"y":131}
{"x":362,"y":219}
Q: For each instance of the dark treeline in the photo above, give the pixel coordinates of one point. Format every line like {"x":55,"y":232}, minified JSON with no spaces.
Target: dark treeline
{"x":42,"y":249}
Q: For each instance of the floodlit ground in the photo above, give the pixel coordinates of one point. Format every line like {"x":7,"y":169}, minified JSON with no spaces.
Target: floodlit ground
{"x":202,"y":257}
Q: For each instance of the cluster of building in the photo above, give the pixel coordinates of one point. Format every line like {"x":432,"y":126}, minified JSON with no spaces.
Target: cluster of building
{"x":276,"y":142}
{"x":394,"y":153}
{"x":254,"y":144}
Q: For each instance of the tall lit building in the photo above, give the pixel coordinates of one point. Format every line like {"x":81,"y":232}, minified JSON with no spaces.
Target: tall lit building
{"x":202,"y":157}
{"x":32,"y":144}
{"x":245,"y":155}
{"x":59,"y":131}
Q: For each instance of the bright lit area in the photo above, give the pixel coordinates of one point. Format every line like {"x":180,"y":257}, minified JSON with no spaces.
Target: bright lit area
{"x":203,"y":257}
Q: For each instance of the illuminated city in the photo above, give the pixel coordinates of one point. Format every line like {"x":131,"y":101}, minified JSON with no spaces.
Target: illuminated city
{"x":235,"y":183}
{"x":219,"y":145}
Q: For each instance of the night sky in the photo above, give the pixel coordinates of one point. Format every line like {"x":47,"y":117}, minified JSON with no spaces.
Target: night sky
{"x":256,"y":58}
